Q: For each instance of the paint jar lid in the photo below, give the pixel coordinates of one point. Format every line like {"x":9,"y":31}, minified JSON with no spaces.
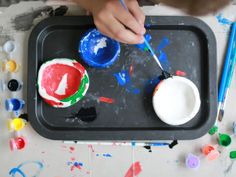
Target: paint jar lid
{"x":176,"y":100}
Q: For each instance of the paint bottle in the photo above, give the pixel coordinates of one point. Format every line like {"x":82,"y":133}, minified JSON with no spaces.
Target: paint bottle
{"x":192,"y":161}
{"x":14,"y":104}
{"x":14,"y":85}
{"x":17,"y":143}
{"x":10,"y":66}
{"x":224,"y":140}
{"x":16,"y":124}
{"x":9,"y":47}
{"x":210,"y":152}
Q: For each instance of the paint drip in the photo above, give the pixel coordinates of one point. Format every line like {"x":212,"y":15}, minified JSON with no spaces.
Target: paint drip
{"x":106,"y":100}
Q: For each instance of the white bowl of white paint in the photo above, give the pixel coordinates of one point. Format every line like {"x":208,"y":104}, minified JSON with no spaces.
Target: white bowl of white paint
{"x":176,"y":100}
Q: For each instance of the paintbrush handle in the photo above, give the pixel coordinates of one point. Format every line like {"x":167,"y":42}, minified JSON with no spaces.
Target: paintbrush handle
{"x":226,"y":68}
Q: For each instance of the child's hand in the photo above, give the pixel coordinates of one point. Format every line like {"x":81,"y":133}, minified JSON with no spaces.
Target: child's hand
{"x":113,"y":20}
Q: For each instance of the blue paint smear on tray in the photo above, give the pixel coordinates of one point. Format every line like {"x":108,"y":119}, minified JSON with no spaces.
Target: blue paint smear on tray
{"x":222,"y":20}
{"x":162,"y":55}
{"x":123,"y":79}
{"x":17,"y":170}
{"x":151,"y":84}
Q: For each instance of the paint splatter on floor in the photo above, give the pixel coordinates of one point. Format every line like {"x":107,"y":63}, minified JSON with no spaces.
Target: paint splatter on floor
{"x":124,"y":80}
{"x":104,"y":155}
{"x":75,"y":165}
{"x":134,"y":170}
{"x":106,"y":100}
{"x":15,"y":172}
{"x":222,"y":20}
{"x":71,"y":149}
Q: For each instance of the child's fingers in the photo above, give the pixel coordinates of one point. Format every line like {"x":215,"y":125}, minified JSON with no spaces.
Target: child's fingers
{"x":120,"y":33}
{"x":127,"y":19}
{"x":134,"y":8}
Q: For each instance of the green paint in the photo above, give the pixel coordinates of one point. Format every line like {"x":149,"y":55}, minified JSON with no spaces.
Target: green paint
{"x":145,"y":49}
{"x":213,"y":130}
{"x":224,"y":140}
{"x":80,"y":93}
{"x":232,"y":155}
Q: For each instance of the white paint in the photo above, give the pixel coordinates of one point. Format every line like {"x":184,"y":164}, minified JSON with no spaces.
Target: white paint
{"x":101,"y":44}
{"x":9,"y":47}
{"x":61,"y":89}
{"x":176,"y":101}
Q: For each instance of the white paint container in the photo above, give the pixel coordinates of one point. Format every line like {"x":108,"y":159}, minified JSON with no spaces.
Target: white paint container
{"x":176,"y":100}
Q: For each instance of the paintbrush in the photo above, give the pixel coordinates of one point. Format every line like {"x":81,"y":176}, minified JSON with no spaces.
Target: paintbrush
{"x":221,"y":114}
{"x":164,"y":73}
{"x":227,"y":75}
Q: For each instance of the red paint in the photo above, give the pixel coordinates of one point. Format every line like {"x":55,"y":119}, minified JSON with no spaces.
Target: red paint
{"x":207,"y":149}
{"x":131,"y":69}
{"x":180,"y":73}
{"x":51,"y":102}
{"x":134,"y":170}
{"x":72,"y":148}
{"x":52,"y":76}
{"x":17,"y":143}
{"x":72,"y":158}
{"x":106,"y":100}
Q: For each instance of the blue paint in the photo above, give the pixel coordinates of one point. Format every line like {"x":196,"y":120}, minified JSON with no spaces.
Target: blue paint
{"x":159,"y":144}
{"x":97,"y":155}
{"x":17,"y":171}
{"x":76,"y":164}
{"x":222,"y":20}
{"x":14,"y":104}
{"x":143,"y":46}
{"x":123,"y":77}
{"x":101,"y":57}
{"x":132,"y":89}
{"x":107,"y":155}
{"x":162,"y":56}
{"x":151,"y":84}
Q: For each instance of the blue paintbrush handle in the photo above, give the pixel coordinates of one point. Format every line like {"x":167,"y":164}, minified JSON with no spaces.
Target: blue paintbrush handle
{"x":226,"y":68}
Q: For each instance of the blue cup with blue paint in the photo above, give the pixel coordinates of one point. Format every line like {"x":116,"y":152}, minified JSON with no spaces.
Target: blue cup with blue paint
{"x":14,"y":104}
{"x":97,"y":50}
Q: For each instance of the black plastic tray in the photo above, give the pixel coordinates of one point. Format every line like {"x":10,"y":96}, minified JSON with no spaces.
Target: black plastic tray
{"x":192,"y":49}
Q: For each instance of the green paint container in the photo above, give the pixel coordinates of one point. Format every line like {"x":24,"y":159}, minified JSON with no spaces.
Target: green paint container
{"x":224,"y":140}
{"x":213,"y":130}
{"x":232,"y":154}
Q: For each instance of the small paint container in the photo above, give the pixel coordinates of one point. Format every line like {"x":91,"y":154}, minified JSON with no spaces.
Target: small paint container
{"x":62,"y":82}
{"x":9,"y":47}
{"x":176,"y":100}
{"x":10,"y":66}
{"x":17,"y":143}
{"x":14,"y":104}
{"x":14,"y":85}
{"x":16,"y":124}
{"x":192,"y":161}
{"x":97,"y":50}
